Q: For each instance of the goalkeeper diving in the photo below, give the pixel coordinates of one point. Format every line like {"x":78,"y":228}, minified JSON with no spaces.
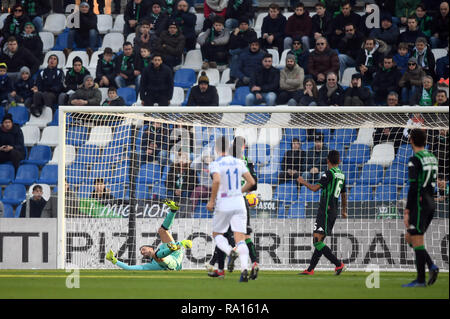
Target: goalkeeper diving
{"x":169,"y":255}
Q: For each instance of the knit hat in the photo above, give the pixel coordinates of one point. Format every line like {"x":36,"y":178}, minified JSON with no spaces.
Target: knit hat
{"x":412,"y":60}
{"x":25,"y":69}
{"x":86,"y":78}
{"x":3,"y":66}
{"x":290,"y":56}
{"x":386,"y":17}
{"x":84,"y":4}
{"x":8,"y":116}
{"x":203,"y":78}
{"x":77,"y":59}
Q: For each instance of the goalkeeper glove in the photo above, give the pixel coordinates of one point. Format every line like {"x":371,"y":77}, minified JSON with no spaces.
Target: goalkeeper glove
{"x":110,"y":257}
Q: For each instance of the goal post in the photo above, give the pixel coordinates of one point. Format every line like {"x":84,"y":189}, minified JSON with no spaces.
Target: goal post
{"x":117,"y":164}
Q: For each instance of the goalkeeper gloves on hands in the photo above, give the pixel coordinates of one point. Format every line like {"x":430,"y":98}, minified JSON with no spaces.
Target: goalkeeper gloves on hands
{"x":110,"y":257}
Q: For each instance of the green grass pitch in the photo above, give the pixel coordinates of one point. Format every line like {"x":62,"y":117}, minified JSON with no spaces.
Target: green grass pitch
{"x":105,"y":284}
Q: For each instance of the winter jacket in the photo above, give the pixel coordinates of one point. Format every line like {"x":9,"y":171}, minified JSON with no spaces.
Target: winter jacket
{"x":316,"y":159}
{"x":22,"y":57}
{"x":74,"y":80}
{"x":33,"y":43}
{"x":389,"y":36}
{"x":119,"y":101}
{"x":135,"y":11}
{"x":323,"y":62}
{"x":402,"y":62}
{"x":405,"y":8}
{"x":275,"y":27}
{"x":13,"y":137}
{"x":292,"y":80}
{"x":412,"y":78}
{"x":301,"y":58}
{"x":236,"y":10}
{"x":242,"y":39}
{"x":23,"y":88}
{"x":429,"y":63}
{"x":6,"y":86}
{"x":13,"y":26}
{"x":267,"y":79}
{"x":440,"y":26}
{"x":157,"y":82}
{"x":126,"y":65}
{"x":209,"y":98}
{"x":340,"y":21}
{"x":186,"y":22}
{"x":362,"y":93}
{"x":105,"y":69}
{"x":173,"y":44}
{"x":337,"y":98}
{"x":36,"y":208}
{"x":219,"y":39}
{"x":351,"y":46}
{"x":322,"y":25}
{"x":141,"y":63}
{"x":88,"y":21}
{"x":160,"y":22}
{"x":50,"y":80}
{"x":410,"y":37}
{"x":385,"y":81}
{"x":372,"y":61}
{"x":442,"y":67}
{"x":249,"y":62}
{"x":415,"y":99}
{"x":299,"y":25}
{"x":92,"y":95}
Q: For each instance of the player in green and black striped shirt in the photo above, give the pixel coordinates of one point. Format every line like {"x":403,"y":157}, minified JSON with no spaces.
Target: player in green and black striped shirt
{"x":420,"y":206}
{"x":332,"y":184}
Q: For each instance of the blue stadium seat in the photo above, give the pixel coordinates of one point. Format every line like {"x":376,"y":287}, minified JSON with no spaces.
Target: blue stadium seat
{"x":269,"y":174}
{"x":361,"y":193}
{"x":396,"y":174}
{"x":49,"y":175}
{"x":122,"y":135}
{"x":259,"y":153}
{"x":7,"y":173}
{"x":290,"y":133}
{"x":85,"y":190}
{"x":297,"y":210}
{"x":128,"y":94}
{"x":357,"y":154}
{"x":19,"y":114}
{"x":77,"y":135}
{"x":8,"y":211}
{"x":201,"y":211}
{"x":286,"y":193}
{"x":77,"y":174}
{"x":27,"y":174}
{"x":17,"y":211}
{"x":282,"y":210}
{"x":371,"y":174}
{"x":403,"y":193}
{"x":88,"y":154}
{"x":158,"y":191}
{"x":344,"y":135}
{"x":306,"y":195}
{"x":142,"y":191}
{"x":338,"y":146}
{"x":149,"y":174}
{"x":307,"y":146}
{"x":100,"y":170}
{"x":386,"y":192}
{"x":14,"y":194}
{"x":2,"y":113}
{"x":119,"y":174}
{"x":120,"y":191}
{"x":55,"y":121}
{"x":351,"y":173}
{"x":185,"y":78}
{"x":39,"y":155}
{"x":326,"y":132}
{"x":404,"y":152}
{"x":239,"y":95}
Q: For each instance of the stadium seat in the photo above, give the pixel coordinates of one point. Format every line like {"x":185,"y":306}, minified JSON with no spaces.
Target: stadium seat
{"x":2,"y":113}
{"x":76,"y":135}
{"x":31,"y":135}
{"x":386,"y":192}
{"x":46,"y":191}
{"x":259,"y":153}
{"x":3,"y":17}
{"x":149,"y":174}
{"x":76,"y":174}
{"x":49,"y":136}
{"x":104,"y":23}
{"x":42,"y":121}
{"x":81,"y":54}
{"x":439,"y":53}
{"x":88,"y":154}
{"x":184,"y":78}
{"x":7,"y":174}
{"x":8,"y":211}
{"x":128,"y":94}
{"x":232,"y":119}
{"x":351,"y":172}
{"x":286,"y":193}
{"x":259,"y":21}
{"x":101,"y":170}
{"x":361,"y":193}
{"x":130,"y":37}
{"x":403,"y":194}
{"x":199,"y":22}
{"x":396,"y":174}
{"x":113,"y":40}
{"x":365,"y":136}
{"x":404,"y":153}
{"x":239,"y":95}
{"x":201,"y":211}
{"x":357,"y":154}
{"x":14,"y":194}
{"x":177,"y":97}
{"x":225,"y":78}
{"x":158,"y":191}
{"x":55,"y":23}
{"x":249,"y":133}
{"x":94,"y":59}
{"x":142,"y":192}
{"x":306,"y":195}
{"x":382,"y":154}
{"x":225,"y":95}
{"x":371,"y":174}
{"x":27,"y":174}
{"x":59,"y":54}
{"x":48,"y":40}
{"x":344,"y":135}
{"x":85,"y":190}
{"x":290,"y":133}
{"x":49,"y":175}
{"x":271,"y":136}
{"x":39,"y":155}
{"x":275,"y":57}
{"x":19,"y":114}
{"x":193,"y":60}
{"x":100,"y":136}
{"x":282,"y":63}
{"x":347,"y":76}
{"x":340,"y":147}
{"x":55,"y":121}
{"x":70,"y":155}
{"x":213,"y":76}
{"x":297,"y":210}
{"x":264,"y":191}
{"x":119,"y":23}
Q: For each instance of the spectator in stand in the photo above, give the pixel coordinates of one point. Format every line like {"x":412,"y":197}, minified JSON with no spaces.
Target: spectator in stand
{"x":113,"y":99}
{"x":238,"y":10}
{"x":249,"y":63}
{"x":213,"y":9}
{"x":88,"y":94}
{"x":272,"y":29}
{"x":155,"y":142}
{"x":264,"y":84}
{"x":37,"y":204}
{"x":316,"y":160}
{"x":74,"y":80}
{"x":349,"y":47}
{"x":49,"y":85}
{"x":144,"y":36}
{"x":203,"y":94}
{"x":322,"y":61}
{"x":36,"y":10}
{"x":322,"y":23}
{"x":310,"y":95}
{"x":405,"y":9}
{"x":239,"y":41}
{"x":16,"y":57}
{"x":86,"y":34}
{"x":334,"y":6}
{"x":424,"y":21}
{"x":135,"y":12}
{"x":402,"y":56}
{"x":441,"y":98}
{"x":126,"y":73}
{"x":356,"y":94}
{"x":369,"y":59}
{"x":392,"y":99}
{"x":12,"y":147}
{"x":158,"y":20}
{"x":301,"y":55}
{"x":346,"y":17}
{"x":170,"y":45}
{"x":386,"y":7}
{"x":425,"y":57}
{"x":186,"y":20}
{"x":291,"y":82}
{"x":386,"y":80}
{"x":6,"y":85}
{"x":14,"y":23}
{"x":31,"y":40}
{"x":293,"y":163}
{"x":332,"y":93}
{"x":389,"y":134}
{"x":101,"y":193}
{"x":143,"y":59}
{"x":168,"y":6}
{"x":412,"y":33}
{"x":22,"y":92}
{"x":411,"y":81}
{"x":425,"y":94}
{"x":439,"y":28}
{"x":442,"y":67}
{"x":214,"y":44}
{"x":157,"y":83}
{"x":105,"y":71}
{"x":298,"y":25}
{"x":388,"y":32}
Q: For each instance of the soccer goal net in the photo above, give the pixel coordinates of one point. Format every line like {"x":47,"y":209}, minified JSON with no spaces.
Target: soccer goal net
{"x":117,"y":165}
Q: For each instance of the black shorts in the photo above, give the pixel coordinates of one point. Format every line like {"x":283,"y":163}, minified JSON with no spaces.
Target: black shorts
{"x":324,"y":223}
{"x":419,"y":222}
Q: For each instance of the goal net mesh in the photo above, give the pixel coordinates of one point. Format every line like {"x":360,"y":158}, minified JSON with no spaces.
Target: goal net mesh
{"x":119,"y":167}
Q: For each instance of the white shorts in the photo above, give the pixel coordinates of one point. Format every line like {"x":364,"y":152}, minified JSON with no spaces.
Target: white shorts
{"x":237,"y":219}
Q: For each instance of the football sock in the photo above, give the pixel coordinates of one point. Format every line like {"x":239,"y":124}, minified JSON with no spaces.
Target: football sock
{"x":314,"y":259}
{"x":168,"y":221}
{"x":223,"y":244}
{"x":428,"y":260}
{"x":326,"y":251}
{"x":242,"y":249}
{"x":214,"y":257}
{"x":420,"y":263}
{"x":220,"y":259}
{"x":251,"y":250}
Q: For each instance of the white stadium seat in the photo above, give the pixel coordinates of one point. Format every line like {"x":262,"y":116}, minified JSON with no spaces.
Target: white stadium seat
{"x":70,"y":155}
{"x":114,"y":41}
{"x":41,"y":121}
{"x":48,"y":40}
{"x":213,"y":76}
{"x":61,"y":59}
{"x":55,"y":23}
{"x":225,"y":95}
{"x":31,"y":135}
{"x":193,"y":60}
{"x":382,"y":154}
{"x":81,"y":54}
{"x":100,"y":136}
{"x":119,"y":23}
{"x":104,"y":23}
{"x":178,"y":96}
{"x":49,"y":136}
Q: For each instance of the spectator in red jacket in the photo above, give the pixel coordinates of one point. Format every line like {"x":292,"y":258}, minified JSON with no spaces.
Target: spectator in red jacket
{"x":298,"y":25}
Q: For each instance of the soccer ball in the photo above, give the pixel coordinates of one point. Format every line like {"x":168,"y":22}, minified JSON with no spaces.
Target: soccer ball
{"x":252,"y":199}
